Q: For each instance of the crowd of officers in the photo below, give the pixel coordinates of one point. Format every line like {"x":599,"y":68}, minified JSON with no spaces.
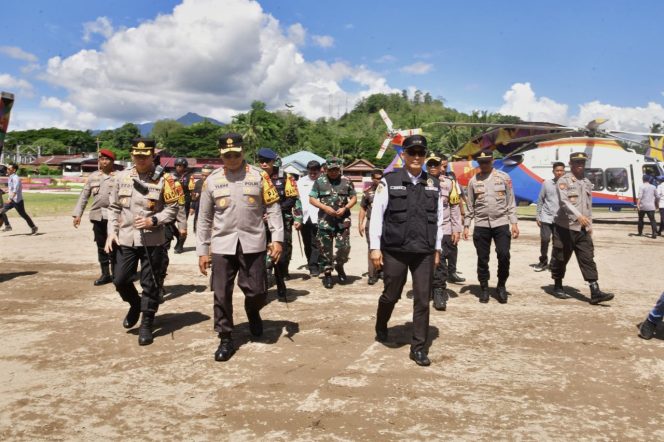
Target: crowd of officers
{"x":245,"y":217}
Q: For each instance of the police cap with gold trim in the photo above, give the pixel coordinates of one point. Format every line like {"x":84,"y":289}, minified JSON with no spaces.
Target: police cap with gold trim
{"x":142,"y":146}
{"x":230,"y":142}
{"x":578,"y":156}
{"x":485,"y":155}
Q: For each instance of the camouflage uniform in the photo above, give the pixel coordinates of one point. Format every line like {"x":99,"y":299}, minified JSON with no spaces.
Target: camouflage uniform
{"x":335,"y":194}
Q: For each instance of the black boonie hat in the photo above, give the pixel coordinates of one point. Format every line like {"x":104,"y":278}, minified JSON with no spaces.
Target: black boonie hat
{"x":230,"y":142}
{"x":486,"y":155}
{"x":143,"y":146}
{"x":578,"y":156}
{"x":414,"y":142}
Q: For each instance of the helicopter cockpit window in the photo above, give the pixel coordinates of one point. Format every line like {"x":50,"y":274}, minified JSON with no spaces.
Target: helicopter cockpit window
{"x":616,"y":180}
{"x":596,"y":176}
{"x":650,"y":169}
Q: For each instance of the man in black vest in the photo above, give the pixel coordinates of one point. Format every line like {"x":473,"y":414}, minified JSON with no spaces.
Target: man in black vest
{"x":403,"y":235}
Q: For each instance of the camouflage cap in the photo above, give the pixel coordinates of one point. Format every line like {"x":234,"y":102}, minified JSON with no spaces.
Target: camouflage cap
{"x":333,"y":163}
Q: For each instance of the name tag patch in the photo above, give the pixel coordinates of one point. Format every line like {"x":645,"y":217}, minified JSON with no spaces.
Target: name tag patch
{"x":397,"y":187}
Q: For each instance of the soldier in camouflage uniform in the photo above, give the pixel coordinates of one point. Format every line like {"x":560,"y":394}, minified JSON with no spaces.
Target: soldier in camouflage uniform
{"x":291,"y":212}
{"x":365,"y":216}
{"x":334,"y":195}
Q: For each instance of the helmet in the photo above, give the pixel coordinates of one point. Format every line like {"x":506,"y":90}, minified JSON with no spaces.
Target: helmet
{"x":181,"y":162}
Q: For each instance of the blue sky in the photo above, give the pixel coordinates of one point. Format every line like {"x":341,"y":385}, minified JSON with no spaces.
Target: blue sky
{"x":93,"y":64}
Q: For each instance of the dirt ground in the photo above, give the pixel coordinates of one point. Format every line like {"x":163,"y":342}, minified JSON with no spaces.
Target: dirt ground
{"x":536,"y":368}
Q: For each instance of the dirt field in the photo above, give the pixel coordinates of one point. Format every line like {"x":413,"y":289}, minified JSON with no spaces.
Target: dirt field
{"x":537,"y":368}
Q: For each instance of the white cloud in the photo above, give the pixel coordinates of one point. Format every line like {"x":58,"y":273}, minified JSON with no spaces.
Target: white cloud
{"x":70,"y":116}
{"x":418,"y":68}
{"x":386,"y":59}
{"x":13,"y":84}
{"x":189,"y":61}
{"x":18,"y":53}
{"x":101,"y":26}
{"x":521,"y":101}
{"x":324,"y":41}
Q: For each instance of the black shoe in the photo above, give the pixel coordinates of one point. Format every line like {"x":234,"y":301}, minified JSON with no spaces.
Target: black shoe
{"x":381,"y":334}
{"x":484,"y":293}
{"x":133,"y":315}
{"x":597,"y":296}
{"x":225,"y":351}
{"x":341,"y":273}
{"x":33,"y":231}
{"x":255,"y":324}
{"x":540,"y":267}
{"x":559,"y":290}
{"x":440,"y":299}
{"x":314,"y":273}
{"x":420,"y":358}
{"x":145,"y":330}
{"x":282,"y":294}
{"x":372,"y":280}
{"x":103,"y":279}
{"x":454,"y":278}
{"x":647,"y":329}
{"x":501,"y":294}
{"x":654,"y":236}
{"x":327,"y":281}
{"x":178,"y":250}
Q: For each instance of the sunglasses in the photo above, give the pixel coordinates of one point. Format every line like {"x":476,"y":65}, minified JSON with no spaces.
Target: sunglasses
{"x":264,"y":160}
{"x":231,"y":155}
{"x":433,"y":164}
{"x":416,"y":153}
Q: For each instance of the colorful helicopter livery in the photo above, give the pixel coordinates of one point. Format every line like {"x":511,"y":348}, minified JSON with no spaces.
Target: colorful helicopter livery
{"x":530,"y":149}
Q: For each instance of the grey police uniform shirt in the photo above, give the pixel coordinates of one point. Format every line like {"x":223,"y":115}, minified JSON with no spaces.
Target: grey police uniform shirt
{"x":127,"y":203}
{"x":575,"y":199}
{"x":547,"y":202}
{"x":231,"y":211}
{"x":450,"y":221}
{"x":491,"y":200}
{"x":99,"y":186}
{"x":647,"y":197}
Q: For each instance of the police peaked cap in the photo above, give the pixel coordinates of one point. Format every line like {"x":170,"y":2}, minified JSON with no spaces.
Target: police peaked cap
{"x":578,"y":156}
{"x":486,"y":155}
{"x":230,"y":142}
{"x":414,"y":141}
{"x":143,"y":146}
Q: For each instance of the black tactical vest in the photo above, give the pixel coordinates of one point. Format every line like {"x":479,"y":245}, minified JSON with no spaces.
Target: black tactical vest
{"x":279,"y":181}
{"x":410,"y":223}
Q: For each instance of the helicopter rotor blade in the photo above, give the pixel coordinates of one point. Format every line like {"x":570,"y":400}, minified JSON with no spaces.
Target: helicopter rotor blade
{"x":383,"y":147}
{"x":545,"y":137}
{"x":386,"y":120}
{"x":503,"y":125}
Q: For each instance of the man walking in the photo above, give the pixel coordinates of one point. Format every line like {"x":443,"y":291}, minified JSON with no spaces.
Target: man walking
{"x":310,"y":217}
{"x":646,"y":205}
{"x":547,"y":208}
{"x":15,"y":197}
{"x":364,"y":219}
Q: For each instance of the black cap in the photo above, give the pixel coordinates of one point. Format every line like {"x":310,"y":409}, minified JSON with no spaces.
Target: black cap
{"x":267,"y":153}
{"x":415,"y":141}
{"x":485,"y":155}
{"x":181,"y":162}
{"x":230,"y":142}
{"x":578,"y":156}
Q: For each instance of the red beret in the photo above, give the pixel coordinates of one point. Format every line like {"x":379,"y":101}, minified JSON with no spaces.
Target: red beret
{"x":107,"y":153}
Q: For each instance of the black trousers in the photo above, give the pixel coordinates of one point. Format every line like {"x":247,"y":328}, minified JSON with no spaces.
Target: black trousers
{"x":309,"y":232}
{"x":441,"y":272}
{"x":502,"y":237}
{"x":126,"y":264}
{"x":566,"y":242}
{"x":450,"y":253}
{"x":661,"y":220}
{"x":395,"y":271}
{"x":20,"y":208}
{"x":250,"y":269}
{"x":100,"y":230}
{"x":651,"y":217}
{"x":546,"y":232}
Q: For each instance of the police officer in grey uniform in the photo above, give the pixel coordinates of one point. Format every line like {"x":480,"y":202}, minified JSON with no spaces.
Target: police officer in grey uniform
{"x":404,"y":235}
{"x":646,"y":205}
{"x":232,"y":240}
{"x":574,"y":229}
{"x":98,"y":185}
{"x":140,"y":206}
{"x":492,"y":206}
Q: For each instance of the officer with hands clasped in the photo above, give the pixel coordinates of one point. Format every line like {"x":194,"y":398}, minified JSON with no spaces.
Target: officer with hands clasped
{"x":232,"y":240}
{"x":405,"y":235}
{"x":141,"y":204}
{"x":492,"y":206}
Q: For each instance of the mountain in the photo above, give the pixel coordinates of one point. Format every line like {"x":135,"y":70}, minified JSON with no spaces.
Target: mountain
{"x":187,"y":120}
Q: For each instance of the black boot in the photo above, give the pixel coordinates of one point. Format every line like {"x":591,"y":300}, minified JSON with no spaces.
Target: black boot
{"x":440,"y":297}
{"x":341,"y":273}
{"x":255,"y":323}
{"x":281,"y":285}
{"x":647,"y":329}
{"x":226,"y":348}
{"x":372,"y":280}
{"x":383,"y":314}
{"x":133,"y":315}
{"x":484,"y":292}
{"x":145,"y":330}
{"x":597,"y":296}
{"x":501,"y":293}
{"x":559,"y":290}
{"x":179,"y":246}
{"x":327,"y":280}
{"x":454,"y":278}
{"x":105,"y":277}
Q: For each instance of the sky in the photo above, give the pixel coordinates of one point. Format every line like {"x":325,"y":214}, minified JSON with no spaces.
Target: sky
{"x":85,"y":64}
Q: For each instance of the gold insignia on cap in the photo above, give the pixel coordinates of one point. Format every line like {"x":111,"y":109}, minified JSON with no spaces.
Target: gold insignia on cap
{"x":229,"y":141}
{"x":141,"y":145}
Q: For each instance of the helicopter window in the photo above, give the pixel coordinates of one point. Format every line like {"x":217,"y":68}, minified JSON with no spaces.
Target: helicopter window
{"x":596,"y":176}
{"x":616,"y":180}
{"x":650,"y":169}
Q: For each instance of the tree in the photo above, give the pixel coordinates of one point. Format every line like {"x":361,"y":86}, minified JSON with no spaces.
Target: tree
{"x":50,"y":146}
{"x":162,"y":129}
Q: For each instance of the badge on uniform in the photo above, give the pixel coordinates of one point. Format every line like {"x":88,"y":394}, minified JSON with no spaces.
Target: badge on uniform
{"x":222,"y":202}
{"x":252,"y":200}
{"x":562,"y":186}
{"x":429,"y":182}
{"x":151,"y":204}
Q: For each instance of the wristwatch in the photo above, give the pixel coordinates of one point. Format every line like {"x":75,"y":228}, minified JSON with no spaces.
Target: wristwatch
{"x":154,"y":221}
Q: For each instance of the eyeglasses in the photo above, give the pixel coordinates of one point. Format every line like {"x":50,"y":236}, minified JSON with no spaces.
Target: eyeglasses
{"x":433,"y":164}
{"x":231,"y":155}
{"x":264,"y":160}
{"x":416,"y":153}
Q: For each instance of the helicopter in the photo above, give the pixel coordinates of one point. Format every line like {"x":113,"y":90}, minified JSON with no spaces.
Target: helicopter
{"x":530,"y":149}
